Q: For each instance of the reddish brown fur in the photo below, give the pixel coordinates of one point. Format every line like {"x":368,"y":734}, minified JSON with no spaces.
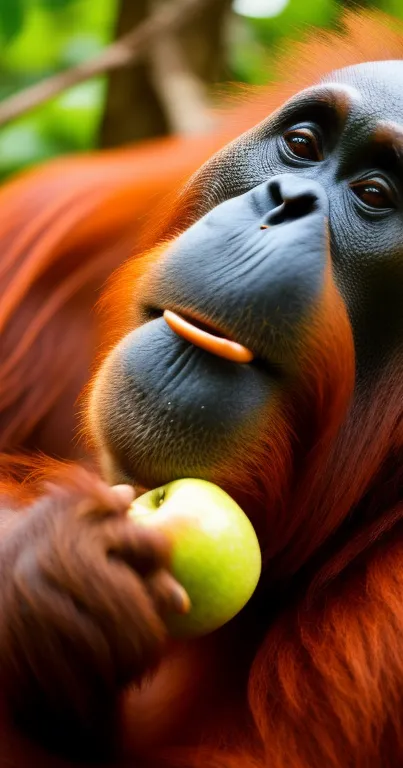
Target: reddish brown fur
{"x":324,"y":672}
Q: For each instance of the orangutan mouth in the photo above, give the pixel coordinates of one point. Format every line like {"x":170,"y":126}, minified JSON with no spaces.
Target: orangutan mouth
{"x":207,"y":338}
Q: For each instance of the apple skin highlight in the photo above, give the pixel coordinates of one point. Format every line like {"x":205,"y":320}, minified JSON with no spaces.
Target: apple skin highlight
{"x":215,"y":552}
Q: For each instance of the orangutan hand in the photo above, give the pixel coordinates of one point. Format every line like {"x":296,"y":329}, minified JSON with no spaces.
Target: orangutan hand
{"x":84,"y":592}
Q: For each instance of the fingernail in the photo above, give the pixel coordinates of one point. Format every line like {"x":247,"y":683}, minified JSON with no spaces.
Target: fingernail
{"x":125,"y":492}
{"x":181,"y":600}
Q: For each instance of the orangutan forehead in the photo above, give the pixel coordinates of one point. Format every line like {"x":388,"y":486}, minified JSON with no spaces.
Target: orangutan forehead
{"x":375,"y":86}
{"x":371,"y":73}
{"x":369,"y":108}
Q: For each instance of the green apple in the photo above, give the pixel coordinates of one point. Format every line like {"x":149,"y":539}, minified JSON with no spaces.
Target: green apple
{"x":215,"y":552}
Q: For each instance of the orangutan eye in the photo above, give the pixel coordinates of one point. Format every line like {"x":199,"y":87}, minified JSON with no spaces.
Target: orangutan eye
{"x":374,"y":193}
{"x":304,"y":143}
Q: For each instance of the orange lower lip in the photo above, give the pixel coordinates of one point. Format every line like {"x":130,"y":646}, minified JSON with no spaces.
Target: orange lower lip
{"x":216,"y":345}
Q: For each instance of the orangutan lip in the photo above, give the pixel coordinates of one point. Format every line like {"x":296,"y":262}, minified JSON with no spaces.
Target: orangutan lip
{"x":154,"y":314}
{"x":268,"y":367}
{"x":202,"y":326}
{"x":206,"y":337}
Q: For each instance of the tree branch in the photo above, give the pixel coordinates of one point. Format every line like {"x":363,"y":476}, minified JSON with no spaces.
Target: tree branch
{"x":119,"y":54}
{"x":180,"y":91}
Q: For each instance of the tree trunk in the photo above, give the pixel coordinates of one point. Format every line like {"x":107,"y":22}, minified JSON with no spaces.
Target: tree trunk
{"x":135,"y":107}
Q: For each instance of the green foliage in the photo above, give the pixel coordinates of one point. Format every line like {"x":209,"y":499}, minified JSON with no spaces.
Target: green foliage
{"x":251,"y":60}
{"x":55,"y":5}
{"x":67,"y":124}
{"x":41,"y":37}
{"x":11,"y":18}
{"x":14,"y":13}
{"x":51,"y":35}
{"x":394,"y":7}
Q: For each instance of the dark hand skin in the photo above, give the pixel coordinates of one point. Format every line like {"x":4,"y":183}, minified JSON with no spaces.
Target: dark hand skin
{"x":77,"y":634}
{"x":324,"y":169}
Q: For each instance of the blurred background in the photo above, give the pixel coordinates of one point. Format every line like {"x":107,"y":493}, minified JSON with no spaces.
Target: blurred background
{"x":230,"y":41}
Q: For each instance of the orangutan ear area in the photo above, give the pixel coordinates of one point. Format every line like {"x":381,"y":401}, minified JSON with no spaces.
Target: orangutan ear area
{"x":248,"y":614}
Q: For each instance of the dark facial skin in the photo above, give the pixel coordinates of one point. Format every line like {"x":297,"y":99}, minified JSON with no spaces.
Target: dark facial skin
{"x":326,"y":168}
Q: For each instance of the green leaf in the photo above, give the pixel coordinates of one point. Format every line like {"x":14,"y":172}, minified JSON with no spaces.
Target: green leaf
{"x":12,"y":16}
{"x":56,"y":5}
{"x":24,"y":144}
